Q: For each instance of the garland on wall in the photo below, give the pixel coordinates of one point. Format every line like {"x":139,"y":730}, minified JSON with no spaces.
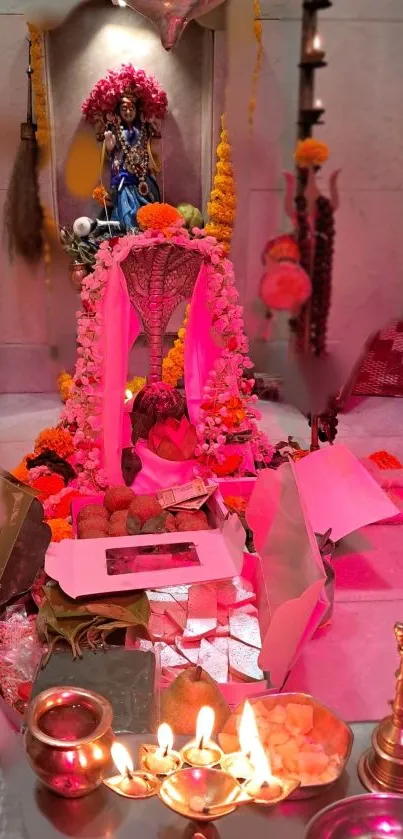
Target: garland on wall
{"x":258,"y":32}
{"x":222,"y":205}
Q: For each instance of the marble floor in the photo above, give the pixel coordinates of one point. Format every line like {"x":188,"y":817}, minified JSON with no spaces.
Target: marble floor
{"x":373,"y":424}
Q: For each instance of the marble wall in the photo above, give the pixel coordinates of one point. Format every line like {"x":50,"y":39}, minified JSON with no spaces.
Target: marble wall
{"x":363,"y":94}
{"x":24,"y":348}
{"x":37,"y":328}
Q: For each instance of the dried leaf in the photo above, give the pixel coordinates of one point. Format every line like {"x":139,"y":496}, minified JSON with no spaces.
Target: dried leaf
{"x":131,"y":465}
{"x":155,"y":525}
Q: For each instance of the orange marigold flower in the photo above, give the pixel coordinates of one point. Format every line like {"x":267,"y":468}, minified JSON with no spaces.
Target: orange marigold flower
{"x":158,"y":217}
{"x":59,"y":440}
{"x":311,"y":152}
{"x":61,"y":529}
{"x":101,"y":195}
{"x":227,"y":467}
{"x":21,"y":472}
{"x":384,"y":460}
{"x":48,"y":485}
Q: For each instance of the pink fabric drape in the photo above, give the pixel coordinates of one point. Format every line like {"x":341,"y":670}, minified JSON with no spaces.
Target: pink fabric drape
{"x":201,"y":349}
{"x":121,"y":328}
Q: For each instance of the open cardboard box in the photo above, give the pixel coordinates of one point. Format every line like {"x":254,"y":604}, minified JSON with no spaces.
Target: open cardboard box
{"x":287,"y":572}
{"x":85,"y":567}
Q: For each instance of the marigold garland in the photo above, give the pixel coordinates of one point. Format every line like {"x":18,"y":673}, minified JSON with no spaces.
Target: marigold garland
{"x":43,"y":136}
{"x":39,"y":90}
{"x":222,"y":205}
{"x":173,"y":363}
{"x":258,"y":31}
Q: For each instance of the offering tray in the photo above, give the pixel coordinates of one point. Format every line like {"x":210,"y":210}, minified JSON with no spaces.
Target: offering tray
{"x":28,"y":810}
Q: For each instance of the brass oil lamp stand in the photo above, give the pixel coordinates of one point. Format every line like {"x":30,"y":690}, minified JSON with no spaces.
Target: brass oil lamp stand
{"x":381,"y":768}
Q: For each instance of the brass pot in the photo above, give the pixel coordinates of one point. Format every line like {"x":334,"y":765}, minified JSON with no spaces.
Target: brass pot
{"x":69,"y":767}
{"x":78,"y":270}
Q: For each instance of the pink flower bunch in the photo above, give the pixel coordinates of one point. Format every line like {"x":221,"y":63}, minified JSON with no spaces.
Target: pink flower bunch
{"x":226,"y":381}
{"x":105,"y":95}
{"x":83,"y":410}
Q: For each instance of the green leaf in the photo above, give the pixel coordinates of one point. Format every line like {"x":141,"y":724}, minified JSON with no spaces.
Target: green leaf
{"x":133,"y":525}
{"x":155,"y":525}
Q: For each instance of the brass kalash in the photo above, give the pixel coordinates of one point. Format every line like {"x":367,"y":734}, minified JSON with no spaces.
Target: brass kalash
{"x":381,"y":768}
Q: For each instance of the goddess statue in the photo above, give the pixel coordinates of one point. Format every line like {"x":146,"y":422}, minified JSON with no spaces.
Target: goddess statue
{"x":126,"y":108}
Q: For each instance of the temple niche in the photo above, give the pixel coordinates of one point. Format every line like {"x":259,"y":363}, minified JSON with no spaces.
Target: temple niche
{"x":94,"y":39}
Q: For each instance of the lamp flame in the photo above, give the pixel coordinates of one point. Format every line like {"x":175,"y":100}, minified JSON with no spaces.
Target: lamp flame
{"x":165,"y":738}
{"x":317,"y":42}
{"x":251,"y":745}
{"x":121,"y":759}
{"x":204,"y":726}
{"x":261,"y":764}
{"x":128,"y":395}
{"x":247,"y":729}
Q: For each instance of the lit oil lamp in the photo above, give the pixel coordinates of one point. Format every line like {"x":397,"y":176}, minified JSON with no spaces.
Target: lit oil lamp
{"x":316,"y":52}
{"x":161,"y":760}
{"x":129,"y":783}
{"x":203,"y":751}
{"x":264,"y":788}
{"x":239,"y":764}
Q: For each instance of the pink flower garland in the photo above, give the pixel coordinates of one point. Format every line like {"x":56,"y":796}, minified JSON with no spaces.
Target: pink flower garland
{"x":106,"y":94}
{"x":83,"y":409}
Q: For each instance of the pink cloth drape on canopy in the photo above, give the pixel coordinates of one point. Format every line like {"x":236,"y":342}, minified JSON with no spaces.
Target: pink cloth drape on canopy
{"x":121,"y":328}
{"x":122,"y":325}
{"x":201,"y":350}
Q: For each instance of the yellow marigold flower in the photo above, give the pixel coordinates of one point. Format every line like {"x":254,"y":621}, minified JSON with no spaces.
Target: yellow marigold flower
{"x":135,"y":384}
{"x":311,"y":152}
{"x":61,"y":529}
{"x":65,"y":384}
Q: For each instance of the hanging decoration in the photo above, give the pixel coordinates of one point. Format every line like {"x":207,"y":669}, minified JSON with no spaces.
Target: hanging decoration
{"x":23,"y":213}
{"x":258,"y":31}
{"x":171,"y":17}
{"x":43,"y":134}
{"x":222,"y":205}
{"x":312,"y":214}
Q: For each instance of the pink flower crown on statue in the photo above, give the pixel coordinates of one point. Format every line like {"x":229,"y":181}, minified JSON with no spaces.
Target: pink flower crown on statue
{"x":151,"y":99}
